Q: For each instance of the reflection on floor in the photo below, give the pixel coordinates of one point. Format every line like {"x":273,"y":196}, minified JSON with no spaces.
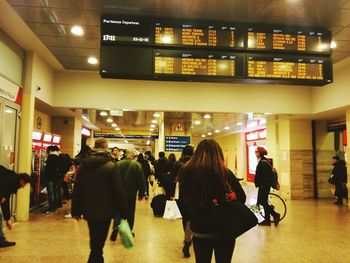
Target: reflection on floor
{"x":313,"y":231}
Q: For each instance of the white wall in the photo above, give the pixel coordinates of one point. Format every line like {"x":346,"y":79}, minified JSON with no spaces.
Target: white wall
{"x":89,"y":90}
{"x":11,"y":64}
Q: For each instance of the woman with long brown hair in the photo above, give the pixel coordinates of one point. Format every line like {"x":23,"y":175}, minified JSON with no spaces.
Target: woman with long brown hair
{"x":204,"y":180}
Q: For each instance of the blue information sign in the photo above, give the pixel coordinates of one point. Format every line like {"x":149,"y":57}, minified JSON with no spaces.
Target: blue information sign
{"x":176,"y":143}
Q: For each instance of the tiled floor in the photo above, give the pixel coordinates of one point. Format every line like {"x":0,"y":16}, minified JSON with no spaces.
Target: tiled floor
{"x":313,"y":231}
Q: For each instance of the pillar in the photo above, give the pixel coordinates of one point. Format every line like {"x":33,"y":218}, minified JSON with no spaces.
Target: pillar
{"x":161,"y":140}
{"x":25,"y":140}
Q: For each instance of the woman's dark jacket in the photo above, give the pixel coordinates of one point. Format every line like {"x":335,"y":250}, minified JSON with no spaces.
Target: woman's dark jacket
{"x":98,"y":192}
{"x":200,"y":222}
{"x":263,"y":174}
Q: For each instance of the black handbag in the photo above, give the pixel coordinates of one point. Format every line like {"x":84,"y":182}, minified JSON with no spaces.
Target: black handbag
{"x":232,"y":218}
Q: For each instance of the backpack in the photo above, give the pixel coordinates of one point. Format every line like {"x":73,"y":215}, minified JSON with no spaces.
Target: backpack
{"x":274,"y":182}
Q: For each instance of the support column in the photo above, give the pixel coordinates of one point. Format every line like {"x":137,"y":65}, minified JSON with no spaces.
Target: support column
{"x":161,"y":140}
{"x":25,"y":140}
{"x":347,"y":154}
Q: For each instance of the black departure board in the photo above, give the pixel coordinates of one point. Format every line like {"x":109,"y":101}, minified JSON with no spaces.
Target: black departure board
{"x":170,"y":62}
{"x":208,"y":34}
{"x":283,"y":39}
{"x":291,"y":68}
{"x":159,"y":48}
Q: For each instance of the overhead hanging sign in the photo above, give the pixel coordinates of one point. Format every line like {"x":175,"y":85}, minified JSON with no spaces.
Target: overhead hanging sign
{"x":121,"y":136}
{"x":176,"y":143}
{"x":10,"y":91}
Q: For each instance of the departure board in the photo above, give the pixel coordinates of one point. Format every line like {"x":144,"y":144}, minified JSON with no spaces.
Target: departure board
{"x":196,"y":64}
{"x":198,"y":35}
{"x":289,"y":68}
{"x":286,"y":39}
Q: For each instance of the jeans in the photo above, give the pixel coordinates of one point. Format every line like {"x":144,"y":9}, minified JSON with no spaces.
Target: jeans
{"x":52,"y":195}
{"x":263,"y":199}
{"x":2,"y":234}
{"x":98,"y":233}
{"x":223,"y":249}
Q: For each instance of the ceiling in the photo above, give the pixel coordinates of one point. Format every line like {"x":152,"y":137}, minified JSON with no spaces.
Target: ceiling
{"x":51,"y":20}
{"x":139,"y":122}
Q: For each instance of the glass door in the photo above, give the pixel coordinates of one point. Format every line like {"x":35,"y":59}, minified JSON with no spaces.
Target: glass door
{"x":9,"y":123}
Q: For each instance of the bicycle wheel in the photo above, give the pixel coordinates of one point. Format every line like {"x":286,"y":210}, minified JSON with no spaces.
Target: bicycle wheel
{"x":278,"y":204}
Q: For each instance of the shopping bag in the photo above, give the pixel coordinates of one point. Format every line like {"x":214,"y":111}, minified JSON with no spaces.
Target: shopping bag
{"x":172,"y":211}
{"x":44,"y":191}
{"x":126,"y":234}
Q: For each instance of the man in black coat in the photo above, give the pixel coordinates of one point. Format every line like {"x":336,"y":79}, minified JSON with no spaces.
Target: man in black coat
{"x":98,"y":195}
{"x":263,"y":180}
{"x":10,"y":182}
{"x":53,"y":180}
{"x":340,"y":179}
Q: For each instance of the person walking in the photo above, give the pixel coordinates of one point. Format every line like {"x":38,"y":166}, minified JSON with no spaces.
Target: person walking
{"x":340,"y":177}
{"x":64,"y":166}
{"x":169,"y":177}
{"x":263,"y":180}
{"x":203,"y":179}
{"x":53,"y":180}
{"x":10,"y":182}
{"x":115,"y":154}
{"x":146,"y":172}
{"x":134,"y":184}
{"x":186,"y":155}
{"x":98,"y":195}
{"x":161,"y":168}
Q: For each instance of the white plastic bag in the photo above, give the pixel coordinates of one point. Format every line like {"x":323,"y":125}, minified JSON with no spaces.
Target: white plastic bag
{"x":44,"y":191}
{"x":172,"y":211}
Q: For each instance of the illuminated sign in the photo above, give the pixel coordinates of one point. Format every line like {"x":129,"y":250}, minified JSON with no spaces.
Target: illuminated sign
{"x":47,"y":137}
{"x":37,"y":135}
{"x":256,"y":135}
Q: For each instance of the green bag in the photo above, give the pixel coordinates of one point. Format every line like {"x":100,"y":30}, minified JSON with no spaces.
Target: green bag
{"x":126,"y":234}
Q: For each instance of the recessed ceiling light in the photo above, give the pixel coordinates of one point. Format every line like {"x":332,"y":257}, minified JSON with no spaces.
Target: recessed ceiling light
{"x":207,"y":116}
{"x":156,"y":115}
{"x":203,"y":136}
{"x":227,"y":128}
{"x":92,"y":60}
{"x":154,"y":121}
{"x":197,"y":122}
{"x":126,"y":141}
{"x":151,"y":129}
{"x":148,"y":142}
{"x":114,"y":125}
{"x":117,"y":129}
{"x":217,"y":131}
{"x":153,"y":125}
{"x":333,"y":44}
{"x":110,"y":120}
{"x":210,"y":134}
{"x":77,"y":30}
{"x":239,"y":123}
{"x":103,"y":114}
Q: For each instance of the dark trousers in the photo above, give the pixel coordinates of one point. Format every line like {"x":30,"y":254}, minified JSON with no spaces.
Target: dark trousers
{"x":65,"y":187}
{"x":263,"y":199}
{"x":58,"y":189}
{"x":223,"y":249}
{"x":147,"y":185}
{"x":131,"y":202}
{"x":98,"y":234}
{"x":52,"y":195}
{"x":341,"y":191}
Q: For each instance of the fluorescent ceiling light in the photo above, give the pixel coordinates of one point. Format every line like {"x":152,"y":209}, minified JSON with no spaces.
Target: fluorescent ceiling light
{"x":239,"y":123}
{"x":77,"y":30}
{"x":217,"y":131}
{"x":156,"y":115}
{"x":151,"y":129}
{"x":210,"y":134}
{"x":110,"y":120}
{"x":114,"y":125}
{"x":197,"y":122}
{"x":154,"y":121}
{"x":203,"y":136}
{"x":153,"y":125}
{"x":227,"y":128}
{"x":207,"y":116}
{"x":117,"y":129}
{"x":333,"y":44}
{"x":103,"y":114}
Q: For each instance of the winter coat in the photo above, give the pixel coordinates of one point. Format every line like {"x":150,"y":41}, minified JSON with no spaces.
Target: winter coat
{"x":263,"y":174}
{"x":98,"y":192}
{"x":52,"y":165}
{"x":340,"y":175}
{"x":132,"y":177}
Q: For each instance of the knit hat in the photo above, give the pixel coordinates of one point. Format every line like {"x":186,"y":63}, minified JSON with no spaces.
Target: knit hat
{"x":261,"y":150}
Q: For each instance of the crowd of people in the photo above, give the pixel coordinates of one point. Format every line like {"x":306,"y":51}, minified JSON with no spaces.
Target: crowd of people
{"x":108,"y":183}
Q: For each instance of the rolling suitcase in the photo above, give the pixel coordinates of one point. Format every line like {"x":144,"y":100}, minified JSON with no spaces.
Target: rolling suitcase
{"x":158,"y":205}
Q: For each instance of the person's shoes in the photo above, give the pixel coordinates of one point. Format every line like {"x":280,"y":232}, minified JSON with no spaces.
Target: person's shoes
{"x":265,"y":223}
{"x":6,"y":243}
{"x":146,"y":197}
{"x":114,"y":235}
{"x":133,"y":234}
{"x":276,"y":219}
{"x":186,"y":249}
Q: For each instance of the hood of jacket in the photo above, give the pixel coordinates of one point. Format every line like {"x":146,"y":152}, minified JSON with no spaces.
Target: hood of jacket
{"x":96,"y":158}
